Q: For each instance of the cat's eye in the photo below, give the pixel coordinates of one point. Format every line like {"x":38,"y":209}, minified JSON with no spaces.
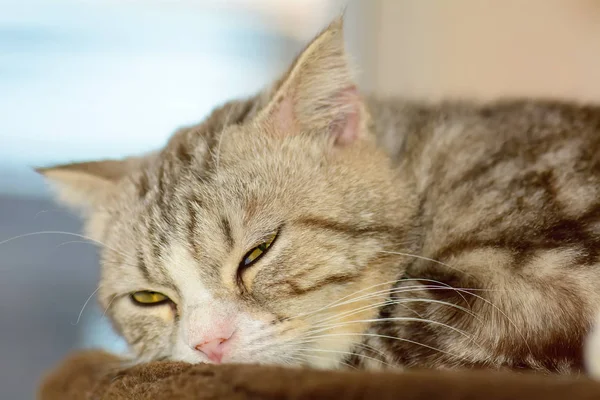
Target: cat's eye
{"x":253,"y":255}
{"x":148,"y":298}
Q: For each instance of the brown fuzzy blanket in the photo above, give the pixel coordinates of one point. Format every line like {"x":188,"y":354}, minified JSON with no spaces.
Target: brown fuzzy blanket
{"x":95,"y":375}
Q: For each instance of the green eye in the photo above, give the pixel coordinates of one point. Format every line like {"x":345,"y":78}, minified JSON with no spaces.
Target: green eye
{"x":253,"y":255}
{"x":146,"y":297}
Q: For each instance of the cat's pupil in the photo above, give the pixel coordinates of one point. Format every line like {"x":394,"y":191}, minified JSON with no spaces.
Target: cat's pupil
{"x":258,"y":251}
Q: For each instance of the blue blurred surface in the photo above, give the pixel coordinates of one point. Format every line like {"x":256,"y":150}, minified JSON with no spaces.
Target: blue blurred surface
{"x":82,"y":80}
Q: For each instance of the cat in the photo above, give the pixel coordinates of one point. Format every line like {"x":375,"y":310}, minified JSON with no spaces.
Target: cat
{"x":312,"y":225}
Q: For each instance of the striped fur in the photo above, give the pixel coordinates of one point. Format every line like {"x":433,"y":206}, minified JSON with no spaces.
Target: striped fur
{"x":435,"y":235}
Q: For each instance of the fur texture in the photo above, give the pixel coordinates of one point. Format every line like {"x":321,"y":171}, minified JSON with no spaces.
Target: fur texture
{"x":96,"y":375}
{"x":409,"y":235}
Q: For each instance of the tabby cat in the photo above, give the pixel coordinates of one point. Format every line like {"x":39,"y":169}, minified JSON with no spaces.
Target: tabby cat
{"x":311,"y":225}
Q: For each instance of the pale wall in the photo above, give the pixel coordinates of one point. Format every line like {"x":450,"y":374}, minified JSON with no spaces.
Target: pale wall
{"x":486,"y":48}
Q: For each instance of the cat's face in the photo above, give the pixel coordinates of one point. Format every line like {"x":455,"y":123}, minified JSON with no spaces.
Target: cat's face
{"x":260,"y":246}
{"x":319,"y":220}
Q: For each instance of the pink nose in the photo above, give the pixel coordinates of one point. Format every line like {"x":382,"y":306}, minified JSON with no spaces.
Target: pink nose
{"x":213,"y":349}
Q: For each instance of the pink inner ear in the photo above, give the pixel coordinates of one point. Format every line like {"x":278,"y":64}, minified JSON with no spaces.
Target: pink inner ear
{"x":284,"y":116}
{"x":345,"y":128}
{"x":344,"y":111}
{"x":346,"y":131}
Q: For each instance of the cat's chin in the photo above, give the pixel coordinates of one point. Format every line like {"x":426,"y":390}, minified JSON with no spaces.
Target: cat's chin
{"x":279,"y":359}
{"x":132,"y":361}
{"x":233,"y":360}
{"x":296,"y":365}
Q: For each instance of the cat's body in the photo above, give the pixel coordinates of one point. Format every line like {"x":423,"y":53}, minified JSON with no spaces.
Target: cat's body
{"x":403,"y":234}
{"x":509,"y":205}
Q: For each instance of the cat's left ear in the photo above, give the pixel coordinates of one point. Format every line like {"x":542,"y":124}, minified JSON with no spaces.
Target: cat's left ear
{"x":86,"y":186}
{"x":318,"y":94}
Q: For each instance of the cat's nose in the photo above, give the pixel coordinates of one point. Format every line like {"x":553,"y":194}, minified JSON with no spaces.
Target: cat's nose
{"x":214,"y":349}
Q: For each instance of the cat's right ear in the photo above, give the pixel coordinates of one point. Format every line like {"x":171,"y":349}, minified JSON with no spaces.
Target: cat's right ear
{"x":86,"y":185}
{"x":318,"y":95}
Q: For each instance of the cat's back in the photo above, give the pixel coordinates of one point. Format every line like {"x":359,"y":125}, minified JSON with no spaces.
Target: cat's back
{"x":510,"y":207}
{"x":518,"y":174}
{"x":496,"y":149}
{"x":510,"y":127}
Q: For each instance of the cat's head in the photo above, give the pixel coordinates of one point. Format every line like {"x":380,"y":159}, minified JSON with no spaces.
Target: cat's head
{"x":257,"y":236}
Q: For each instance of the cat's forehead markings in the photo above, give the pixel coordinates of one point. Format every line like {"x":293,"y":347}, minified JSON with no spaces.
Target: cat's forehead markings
{"x":226,"y":228}
{"x":183,"y":270}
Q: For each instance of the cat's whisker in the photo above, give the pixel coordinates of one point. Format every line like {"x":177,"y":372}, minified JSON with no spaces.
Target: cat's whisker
{"x":460,"y":291}
{"x":96,"y":244}
{"x":386,"y":337}
{"x":364,"y":308}
{"x":470,"y":292}
{"x":24,"y":235}
{"x":426,"y":259}
{"x":349,"y":353}
{"x":381,"y":294}
{"x":505,"y":316}
{"x":352,"y":299}
{"x":294,"y":360}
{"x":54,"y":210}
{"x":341,"y":299}
{"x":289,"y":344}
{"x":409,"y":290}
{"x":325,"y":358}
{"x":378,"y":305}
{"x":85,"y":304}
{"x":371,"y":348}
{"x":397,"y":302}
{"x":76,"y":241}
{"x":447,"y":286}
{"x":318,"y":329}
{"x":405,"y":290}
{"x":108,"y":305}
{"x":332,"y":316}
{"x":361,"y":345}
{"x":87,"y":239}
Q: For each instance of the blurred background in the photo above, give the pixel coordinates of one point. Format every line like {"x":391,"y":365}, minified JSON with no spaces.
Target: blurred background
{"x":82,"y":79}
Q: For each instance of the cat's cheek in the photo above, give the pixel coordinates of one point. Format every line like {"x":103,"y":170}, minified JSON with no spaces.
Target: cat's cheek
{"x":166,"y":313}
{"x":147,"y":330}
